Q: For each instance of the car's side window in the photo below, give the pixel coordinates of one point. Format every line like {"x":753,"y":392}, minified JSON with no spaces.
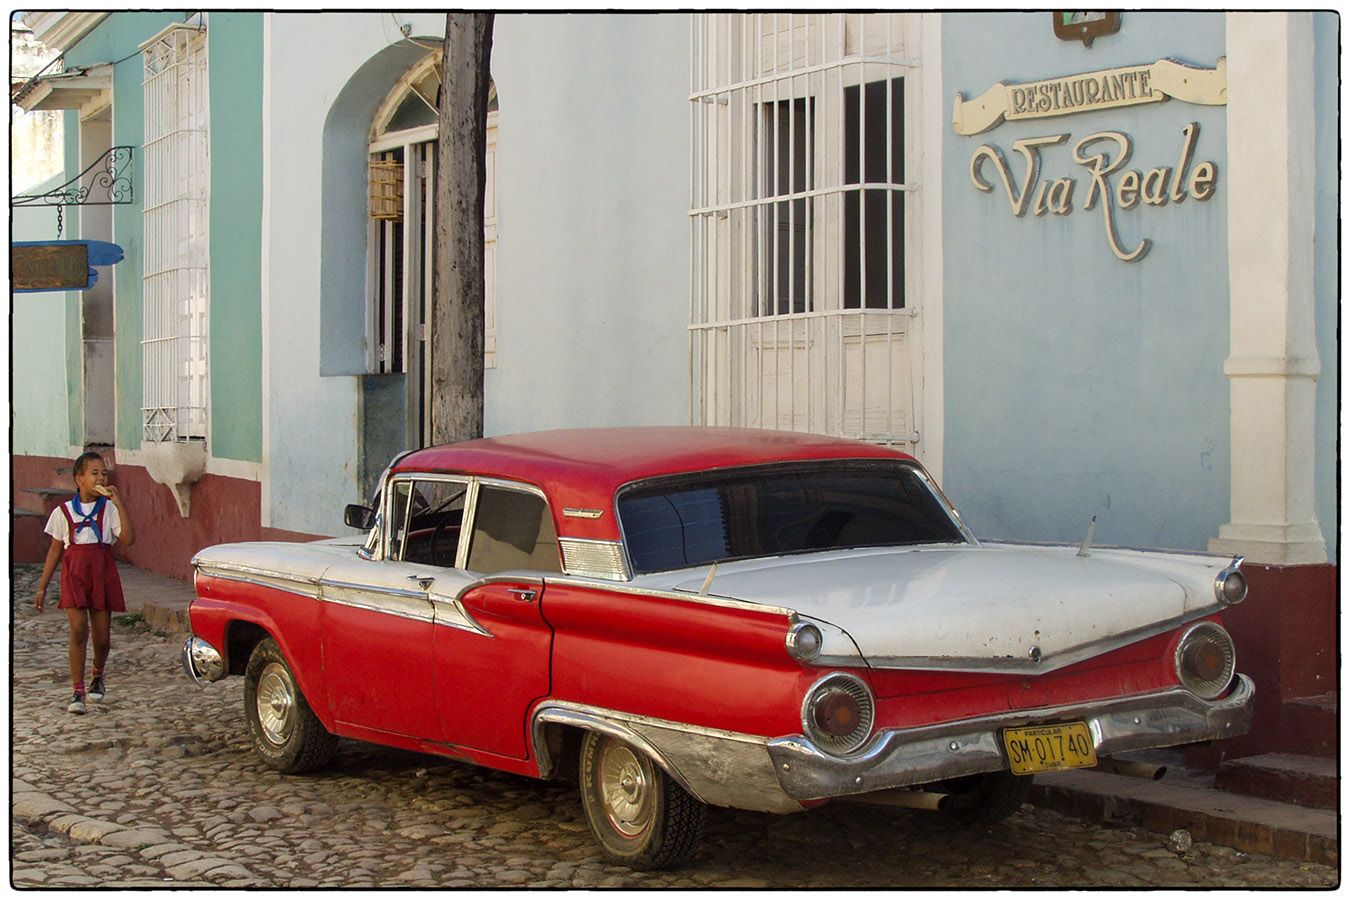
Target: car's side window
{"x":426,"y":520}
{"x":512,"y":529}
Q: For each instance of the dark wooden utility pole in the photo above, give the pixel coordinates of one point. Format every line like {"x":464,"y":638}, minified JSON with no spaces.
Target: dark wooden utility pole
{"x":461,"y":179}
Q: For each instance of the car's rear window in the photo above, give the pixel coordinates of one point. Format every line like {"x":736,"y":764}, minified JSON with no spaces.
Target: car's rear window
{"x":720,"y":516}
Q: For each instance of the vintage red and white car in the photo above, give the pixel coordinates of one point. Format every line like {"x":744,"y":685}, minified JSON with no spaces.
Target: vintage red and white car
{"x":683,"y":617}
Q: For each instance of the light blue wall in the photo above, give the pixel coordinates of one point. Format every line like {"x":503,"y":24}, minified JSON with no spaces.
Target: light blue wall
{"x":235,"y":59}
{"x":319,"y":93}
{"x":40,"y":348}
{"x":593,"y":233}
{"x":1074,"y":383}
{"x":1327,"y":265}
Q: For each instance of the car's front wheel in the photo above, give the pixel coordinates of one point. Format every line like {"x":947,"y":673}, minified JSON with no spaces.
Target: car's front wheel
{"x":286,"y":733}
{"x":639,"y":815}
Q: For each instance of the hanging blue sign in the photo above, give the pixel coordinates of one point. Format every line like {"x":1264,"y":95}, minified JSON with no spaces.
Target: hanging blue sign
{"x":58,"y":265}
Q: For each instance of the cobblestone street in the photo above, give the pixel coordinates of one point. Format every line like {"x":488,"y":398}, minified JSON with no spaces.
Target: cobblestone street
{"x":158,"y":786}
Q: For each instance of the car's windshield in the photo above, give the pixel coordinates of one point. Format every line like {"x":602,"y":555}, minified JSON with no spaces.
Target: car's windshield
{"x":769,"y":511}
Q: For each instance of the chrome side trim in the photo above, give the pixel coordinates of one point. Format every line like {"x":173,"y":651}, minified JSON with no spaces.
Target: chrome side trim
{"x":592,"y":558}
{"x":202,"y":662}
{"x":357,"y":586}
{"x":569,"y":580}
{"x":404,"y":604}
{"x":1049,"y":662}
{"x":303,"y":587}
{"x":908,"y":756}
{"x":722,"y":768}
{"x":450,"y":613}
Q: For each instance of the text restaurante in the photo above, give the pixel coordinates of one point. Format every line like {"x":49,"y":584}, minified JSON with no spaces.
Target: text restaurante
{"x":1069,"y":93}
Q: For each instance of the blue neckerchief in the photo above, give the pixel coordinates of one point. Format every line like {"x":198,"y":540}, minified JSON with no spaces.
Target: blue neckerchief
{"x":90,"y":520}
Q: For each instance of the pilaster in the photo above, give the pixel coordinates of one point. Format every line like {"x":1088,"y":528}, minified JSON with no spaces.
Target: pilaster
{"x":1273,"y":365}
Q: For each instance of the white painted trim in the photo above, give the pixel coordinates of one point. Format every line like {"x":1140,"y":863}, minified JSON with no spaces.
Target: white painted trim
{"x":215,"y":465}
{"x":62,"y":30}
{"x":1272,"y":364}
{"x":930,"y":448}
{"x":265,"y":270}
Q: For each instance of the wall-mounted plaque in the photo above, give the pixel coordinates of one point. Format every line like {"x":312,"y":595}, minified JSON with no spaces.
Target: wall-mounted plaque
{"x":1085,"y":26}
{"x":58,"y":265}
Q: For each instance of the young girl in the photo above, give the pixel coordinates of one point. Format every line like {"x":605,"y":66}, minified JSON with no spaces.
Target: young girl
{"x":83,"y":529}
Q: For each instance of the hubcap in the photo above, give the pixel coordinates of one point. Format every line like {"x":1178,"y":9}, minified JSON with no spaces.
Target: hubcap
{"x":626,"y":789}
{"x":276,"y":704}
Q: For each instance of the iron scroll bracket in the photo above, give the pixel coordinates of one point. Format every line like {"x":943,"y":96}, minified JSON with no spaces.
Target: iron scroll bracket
{"x":111,"y":184}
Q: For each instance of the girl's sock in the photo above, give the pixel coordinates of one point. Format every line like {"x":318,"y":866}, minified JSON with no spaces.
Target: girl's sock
{"x":79,"y":688}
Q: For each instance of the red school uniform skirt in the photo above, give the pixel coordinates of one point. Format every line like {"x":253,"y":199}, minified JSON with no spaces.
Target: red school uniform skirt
{"x":89,"y":579}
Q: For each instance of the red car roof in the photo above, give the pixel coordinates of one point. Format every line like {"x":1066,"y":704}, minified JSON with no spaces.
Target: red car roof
{"x":583,"y":467}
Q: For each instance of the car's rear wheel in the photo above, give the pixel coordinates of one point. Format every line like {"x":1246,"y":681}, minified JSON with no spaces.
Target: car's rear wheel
{"x":988,"y":798}
{"x":640,"y":817}
{"x":286,"y":733}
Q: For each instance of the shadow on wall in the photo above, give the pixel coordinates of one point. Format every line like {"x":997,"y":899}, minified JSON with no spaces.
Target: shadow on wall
{"x":346,"y":141}
{"x":343,"y":238}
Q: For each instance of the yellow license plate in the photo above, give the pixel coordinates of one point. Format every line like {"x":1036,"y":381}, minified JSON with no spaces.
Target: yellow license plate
{"x":1047,"y":748}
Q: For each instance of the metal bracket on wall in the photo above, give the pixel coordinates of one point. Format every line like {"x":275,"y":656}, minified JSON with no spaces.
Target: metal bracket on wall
{"x":110,"y":185}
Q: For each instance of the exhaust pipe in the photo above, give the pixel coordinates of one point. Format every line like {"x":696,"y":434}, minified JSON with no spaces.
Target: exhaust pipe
{"x":1130,"y":768}
{"x":904,"y":798}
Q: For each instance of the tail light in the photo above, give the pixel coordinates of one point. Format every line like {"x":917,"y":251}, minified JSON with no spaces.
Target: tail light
{"x":837,"y":713}
{"x":1205,"y":660}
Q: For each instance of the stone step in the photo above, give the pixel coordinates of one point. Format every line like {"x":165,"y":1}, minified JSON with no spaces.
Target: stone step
{"x":1308,"y":725}
{"x":1249,"y":824}
{"x":1287,"y":777}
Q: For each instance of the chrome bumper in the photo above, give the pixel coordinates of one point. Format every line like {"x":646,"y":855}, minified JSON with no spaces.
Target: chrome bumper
{"x":202,"y":662}
{"x":933,"y":753}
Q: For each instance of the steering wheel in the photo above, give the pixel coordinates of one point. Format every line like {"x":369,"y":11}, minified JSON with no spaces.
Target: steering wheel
{"x":445,"y":525}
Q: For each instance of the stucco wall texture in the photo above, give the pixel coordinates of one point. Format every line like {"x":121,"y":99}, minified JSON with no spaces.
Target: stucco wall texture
{"x":1077,"y":384}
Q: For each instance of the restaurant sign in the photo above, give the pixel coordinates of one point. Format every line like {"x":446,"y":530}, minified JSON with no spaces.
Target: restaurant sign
{"x":1103,"y":155}
{"x":1105,"y":89}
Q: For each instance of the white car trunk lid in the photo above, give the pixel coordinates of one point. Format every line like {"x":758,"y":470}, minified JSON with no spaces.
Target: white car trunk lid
{"x":975,"y":607}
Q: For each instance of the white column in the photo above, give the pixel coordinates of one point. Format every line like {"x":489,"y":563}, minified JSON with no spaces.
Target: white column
{"x":1272,"y":365}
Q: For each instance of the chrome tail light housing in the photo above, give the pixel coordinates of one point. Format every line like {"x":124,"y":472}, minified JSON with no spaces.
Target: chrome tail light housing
{"x":1205,"y":660}
{"x":1230,"y":585}
{"x":838,"y":712}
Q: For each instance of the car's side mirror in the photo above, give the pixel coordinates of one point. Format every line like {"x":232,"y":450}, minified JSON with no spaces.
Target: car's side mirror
{"x":358,"y":516}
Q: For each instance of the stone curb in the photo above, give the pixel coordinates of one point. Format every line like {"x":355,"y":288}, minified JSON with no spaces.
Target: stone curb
{"x":1251,"y":825}
{"x":172,"y":620}
{"x":182,"y":862}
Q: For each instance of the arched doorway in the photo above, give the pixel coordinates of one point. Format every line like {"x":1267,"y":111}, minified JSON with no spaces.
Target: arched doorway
{"x":401,"y":236}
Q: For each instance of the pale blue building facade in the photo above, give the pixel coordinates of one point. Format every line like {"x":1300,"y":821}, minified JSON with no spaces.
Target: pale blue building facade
{"x":1047,"y":379}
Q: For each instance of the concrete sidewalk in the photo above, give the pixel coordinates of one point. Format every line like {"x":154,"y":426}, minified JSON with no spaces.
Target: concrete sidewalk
{"x":161,"y":600}
{"x":1182,"y":799}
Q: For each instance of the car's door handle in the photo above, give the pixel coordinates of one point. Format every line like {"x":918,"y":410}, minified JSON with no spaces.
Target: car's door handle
{"x":524,"y":595}
{"x":423,"y":581}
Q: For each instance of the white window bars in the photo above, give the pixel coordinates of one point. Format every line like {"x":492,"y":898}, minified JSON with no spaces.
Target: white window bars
{"x":175,"y":272}
{"x":800,"y":316}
